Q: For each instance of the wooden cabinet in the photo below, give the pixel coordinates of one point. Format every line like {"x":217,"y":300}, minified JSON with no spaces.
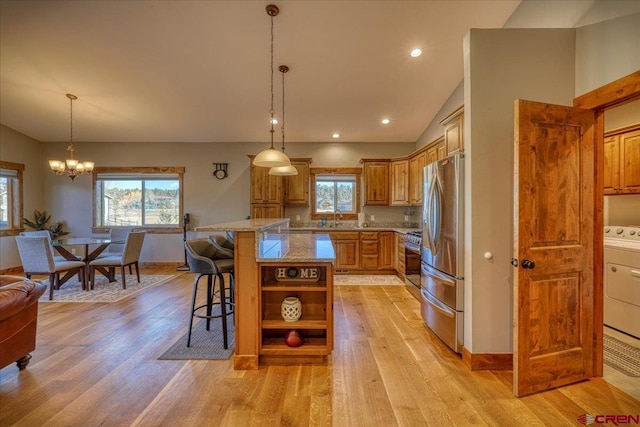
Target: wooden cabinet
{"x":376,"y":182}
{"x":400,"y":182}
{"x":416,"y":164}
{"x":387,"y":250}
{"x":436,"y":151}
{"x":400,"y":256}
{"x":369,"y":250}
{"x":266,"y":193}
{"x":347,"y":247}
{"x":266,"y":210}
{"x":312,"y":284}
{"x":377,"y":250}
{"x":296,"y":187}
{"x":622,"y":162}
{"x":453,"y":132}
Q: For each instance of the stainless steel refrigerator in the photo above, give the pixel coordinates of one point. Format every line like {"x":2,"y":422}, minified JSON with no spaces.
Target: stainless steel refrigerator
{"x":442,"y":251}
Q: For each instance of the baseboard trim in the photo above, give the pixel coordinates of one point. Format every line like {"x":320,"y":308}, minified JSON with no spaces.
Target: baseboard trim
{"x":487,"y":361}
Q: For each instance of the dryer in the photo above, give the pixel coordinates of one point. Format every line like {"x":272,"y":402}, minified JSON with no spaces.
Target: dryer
{"x":622,"y":279}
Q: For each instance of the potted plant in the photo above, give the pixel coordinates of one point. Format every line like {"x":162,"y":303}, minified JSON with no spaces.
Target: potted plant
{"x":41,"y":222}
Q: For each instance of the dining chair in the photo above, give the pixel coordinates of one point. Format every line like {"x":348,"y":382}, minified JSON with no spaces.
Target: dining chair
{"x":47,"y":234}
{"x":129,"y":256}
{"x":117,"y":249}
{"x":36,"y":255}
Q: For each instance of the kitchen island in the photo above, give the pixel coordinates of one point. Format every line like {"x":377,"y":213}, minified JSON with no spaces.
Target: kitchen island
{"x":272,"y":262}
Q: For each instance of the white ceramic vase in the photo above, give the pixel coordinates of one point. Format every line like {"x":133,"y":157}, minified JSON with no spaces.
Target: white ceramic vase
{"x":291,"y":309}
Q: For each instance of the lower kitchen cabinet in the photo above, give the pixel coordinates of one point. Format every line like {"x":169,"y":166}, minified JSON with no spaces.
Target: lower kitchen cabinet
{"x":387,"y":250}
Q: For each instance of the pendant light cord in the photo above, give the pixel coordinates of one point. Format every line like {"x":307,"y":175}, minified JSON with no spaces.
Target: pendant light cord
{"x":282,"y":127}
{"x":272,"y":111}
{"x":70,"y":148}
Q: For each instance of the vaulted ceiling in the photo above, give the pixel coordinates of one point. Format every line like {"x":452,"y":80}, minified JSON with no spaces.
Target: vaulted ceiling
{"x":199,"y":71}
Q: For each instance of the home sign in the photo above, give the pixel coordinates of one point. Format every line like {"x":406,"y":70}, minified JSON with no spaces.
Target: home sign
{"x":310,"y":274}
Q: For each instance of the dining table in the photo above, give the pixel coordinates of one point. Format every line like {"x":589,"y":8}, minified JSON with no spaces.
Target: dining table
{"x":93,"y":247}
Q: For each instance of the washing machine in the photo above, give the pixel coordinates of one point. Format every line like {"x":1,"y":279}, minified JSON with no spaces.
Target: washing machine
{"x":622,"y":279}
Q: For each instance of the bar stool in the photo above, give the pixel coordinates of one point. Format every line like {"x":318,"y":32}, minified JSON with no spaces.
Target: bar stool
{"x":205,"y":260}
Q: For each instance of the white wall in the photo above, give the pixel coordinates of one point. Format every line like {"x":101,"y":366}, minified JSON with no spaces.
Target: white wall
{"x":607,"y":51}
{"x":18,"y":148}
{"x":501,"y":66}
{"x":435,"y":130}
{"x":206,"y":198}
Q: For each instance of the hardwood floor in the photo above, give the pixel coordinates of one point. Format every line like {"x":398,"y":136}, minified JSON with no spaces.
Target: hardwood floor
{"x":96,"y":364}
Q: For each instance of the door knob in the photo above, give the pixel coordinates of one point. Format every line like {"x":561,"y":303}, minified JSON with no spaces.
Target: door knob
{"x":528,"y":264}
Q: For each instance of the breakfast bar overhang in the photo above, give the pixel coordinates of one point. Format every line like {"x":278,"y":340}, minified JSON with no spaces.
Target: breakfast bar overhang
{"x":272,"y":263}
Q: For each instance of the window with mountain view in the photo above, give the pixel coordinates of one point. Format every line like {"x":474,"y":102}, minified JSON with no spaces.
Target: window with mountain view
{"x":138,"y":199}
{"x":331,"y":191}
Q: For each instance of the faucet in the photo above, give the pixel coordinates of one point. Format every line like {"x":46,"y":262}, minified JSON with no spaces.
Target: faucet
{"x":336,"y":222}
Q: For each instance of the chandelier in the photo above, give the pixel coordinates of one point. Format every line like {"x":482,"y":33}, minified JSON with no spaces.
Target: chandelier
{"x":290,"y":169}
{"x":73,"y":167}
{"x":271,"y":157}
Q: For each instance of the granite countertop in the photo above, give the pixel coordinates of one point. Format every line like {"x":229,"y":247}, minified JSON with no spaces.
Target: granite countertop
{"x":255,"y":224}
{"x":402,"y":230}
{"x":303,"y":247}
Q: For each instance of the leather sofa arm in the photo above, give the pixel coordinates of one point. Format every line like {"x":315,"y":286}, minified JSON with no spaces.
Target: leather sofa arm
{"x":18,"y":293}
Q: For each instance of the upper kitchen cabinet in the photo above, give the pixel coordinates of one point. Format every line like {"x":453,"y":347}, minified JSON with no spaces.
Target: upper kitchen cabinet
{"x":400,"y":182}
{"x":622,"y":161}
{"x":265,"y":188}
{"x":296,"y":187}
{"x":453,"y":132}
{"x":376,"y":182}
{"x":436,"y":150}
{"x":417,"y":162}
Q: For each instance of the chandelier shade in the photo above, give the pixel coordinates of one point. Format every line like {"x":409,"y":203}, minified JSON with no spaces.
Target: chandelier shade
{"x":72,"y":166}
{"x":271,"y":157}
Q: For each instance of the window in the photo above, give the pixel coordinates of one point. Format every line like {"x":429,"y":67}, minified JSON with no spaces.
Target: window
{"x":140,"y":197}
{"x":10,"y":198}
{"x":335,"y":188}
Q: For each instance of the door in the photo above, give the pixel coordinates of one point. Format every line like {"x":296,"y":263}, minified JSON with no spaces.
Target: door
{"x":554,"y":233}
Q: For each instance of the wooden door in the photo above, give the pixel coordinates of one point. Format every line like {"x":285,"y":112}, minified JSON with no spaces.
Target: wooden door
{"x":296,"y":187}
{"x":347,"y":254}
{"x":376,"y":183}
{"x":400,"y":183}
{"x":387,"y":250}
{"x":554,"y":233}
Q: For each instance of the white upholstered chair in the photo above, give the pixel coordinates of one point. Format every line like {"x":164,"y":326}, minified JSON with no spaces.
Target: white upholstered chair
{"x":36,"y":254}
{"x":130,"y":256}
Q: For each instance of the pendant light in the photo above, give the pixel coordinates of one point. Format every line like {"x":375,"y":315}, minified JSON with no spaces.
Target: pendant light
{"x":288,"y":170}
{"x":271,"y":157}
{"x":73,"y":166}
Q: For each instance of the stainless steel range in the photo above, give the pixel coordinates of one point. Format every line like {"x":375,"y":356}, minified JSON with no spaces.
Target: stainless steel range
{"x":412,"y":243}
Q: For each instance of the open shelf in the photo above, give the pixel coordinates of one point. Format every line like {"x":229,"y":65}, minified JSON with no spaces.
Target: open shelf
{"x":278,"y":282}
{"x":300,"y":324}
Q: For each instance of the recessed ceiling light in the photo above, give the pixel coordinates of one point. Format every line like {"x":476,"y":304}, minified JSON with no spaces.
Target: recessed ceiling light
{"x":385,"y":121}
{"x":335,"y":135}
{"x":416,"y":52}
{"x":274,"y":121}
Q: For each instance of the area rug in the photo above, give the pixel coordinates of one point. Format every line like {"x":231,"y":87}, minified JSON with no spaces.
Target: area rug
{"x":368,"y":279}
{"x":103,"y":291}
{"x":622,"y":356}
{"x":205,"y":345}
